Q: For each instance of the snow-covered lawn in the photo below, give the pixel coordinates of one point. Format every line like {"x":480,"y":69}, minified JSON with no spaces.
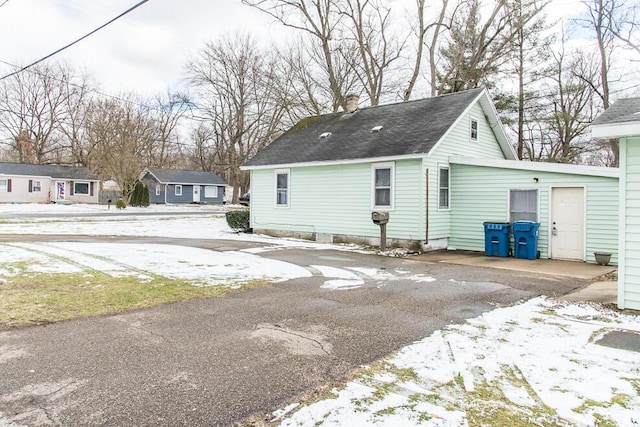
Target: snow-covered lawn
{"x":536,"y":363}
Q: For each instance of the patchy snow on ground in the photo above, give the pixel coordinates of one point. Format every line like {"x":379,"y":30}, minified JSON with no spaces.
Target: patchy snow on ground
{"x":536,"y":363}
{"x":198,"y":266}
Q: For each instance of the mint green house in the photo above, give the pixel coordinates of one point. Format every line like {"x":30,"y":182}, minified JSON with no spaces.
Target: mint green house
{"x":622,"y":120}
{"x":439,"y":167}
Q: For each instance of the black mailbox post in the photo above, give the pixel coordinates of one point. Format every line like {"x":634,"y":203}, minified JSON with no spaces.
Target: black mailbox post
{"x":381,"y":218}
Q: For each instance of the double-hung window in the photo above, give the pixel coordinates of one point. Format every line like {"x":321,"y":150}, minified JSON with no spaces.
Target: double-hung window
{"x":523,"y":205}
{"x":473,"y":130}
{"x":282,"y":187}
{"x":383,"y":179}
{"x":443,"y":187}
{"x":178,"y":190}
{"x":37,"y":187}
{"x":4,"y":185}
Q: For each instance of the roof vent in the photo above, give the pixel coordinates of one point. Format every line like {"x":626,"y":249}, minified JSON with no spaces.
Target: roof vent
{"x":325,"y":135}
{"x":376,"y":129}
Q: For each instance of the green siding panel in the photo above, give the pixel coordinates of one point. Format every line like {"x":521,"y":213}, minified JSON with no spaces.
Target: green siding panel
{"x":481,"y":194}
{"x":630,"y":274}
{"x":336,"y":199}
{"x":457,"y":143}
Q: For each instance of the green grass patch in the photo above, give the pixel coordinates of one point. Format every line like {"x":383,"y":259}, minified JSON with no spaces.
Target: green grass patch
{"x":33,"y":299}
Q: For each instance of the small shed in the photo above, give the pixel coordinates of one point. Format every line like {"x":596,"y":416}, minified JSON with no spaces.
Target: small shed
{"x":37,"y":183}
{"x":169,"y":186}
{"x":622,"y":120}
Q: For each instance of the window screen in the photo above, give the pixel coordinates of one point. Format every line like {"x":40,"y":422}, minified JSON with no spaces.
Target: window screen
{"x":523,"y":205}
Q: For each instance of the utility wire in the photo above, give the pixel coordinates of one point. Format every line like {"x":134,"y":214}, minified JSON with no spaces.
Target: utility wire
{"x":75,"y":41}
{"x":4,"y":2}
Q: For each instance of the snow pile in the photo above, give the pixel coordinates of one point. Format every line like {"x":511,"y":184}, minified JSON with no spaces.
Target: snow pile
{"x":535,"y":363}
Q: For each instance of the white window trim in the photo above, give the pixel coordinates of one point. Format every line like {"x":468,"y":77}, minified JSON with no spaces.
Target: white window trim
{"x":275,"y":187}
{"x":448,"y":208}
{"x":157,"y":189}
{"x":5,"y":185}
{"x":75,"y":189}
{"x":385,"y":165}
{"x":213,"y":189}
{"x":37,"y":188}
{"x":471,"y":138}
{"x":176,"y":192}
{"x":509,"y":190}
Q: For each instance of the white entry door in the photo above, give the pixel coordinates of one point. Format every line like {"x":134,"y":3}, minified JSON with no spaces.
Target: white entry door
{"x":196,"y":194}
{"x":60,"y":187}
{"x":567,"y":223}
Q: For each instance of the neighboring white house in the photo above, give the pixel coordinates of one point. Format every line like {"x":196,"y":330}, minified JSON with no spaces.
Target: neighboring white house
{"x":34,"y":183}
{"x":440,"y":167}
{"x":622,"y":120}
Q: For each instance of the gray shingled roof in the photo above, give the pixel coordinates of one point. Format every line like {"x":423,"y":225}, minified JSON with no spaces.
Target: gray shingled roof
{"x":411,"y":127}
{"x":622,"y":111}
{"x":170,"y":176}
{"x":53,"y":171}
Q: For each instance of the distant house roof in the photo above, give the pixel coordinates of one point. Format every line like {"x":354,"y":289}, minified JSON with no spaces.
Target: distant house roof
{"x":620,"y":119}
{"x":170,"y":176}
{"x":50,"y":171}
{"x":409,"y":128}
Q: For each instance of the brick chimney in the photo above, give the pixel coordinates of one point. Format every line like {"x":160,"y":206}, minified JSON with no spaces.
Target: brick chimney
{"x":351,"y":103}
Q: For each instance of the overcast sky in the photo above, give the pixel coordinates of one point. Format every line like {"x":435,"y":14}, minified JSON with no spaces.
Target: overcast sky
{"x":145,"y":51}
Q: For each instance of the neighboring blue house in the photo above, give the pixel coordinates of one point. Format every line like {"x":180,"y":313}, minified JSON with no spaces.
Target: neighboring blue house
{"x":183,"y":186}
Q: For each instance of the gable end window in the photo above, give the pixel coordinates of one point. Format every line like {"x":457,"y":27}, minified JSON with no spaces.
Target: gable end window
{"x":178,"y":190}
{"x":443,"y":188}
{"x":282,"y":187}
{"x":473,"y":129}
{"x":523,"y":205}
{"x":383,"y":180}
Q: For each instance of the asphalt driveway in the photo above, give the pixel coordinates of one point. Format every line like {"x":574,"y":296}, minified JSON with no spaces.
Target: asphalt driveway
{"x":220,"y":361}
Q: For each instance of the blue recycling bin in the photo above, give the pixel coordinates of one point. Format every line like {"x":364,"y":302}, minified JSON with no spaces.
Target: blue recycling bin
{"x":525,"y":239}
{"x":496,"y":238}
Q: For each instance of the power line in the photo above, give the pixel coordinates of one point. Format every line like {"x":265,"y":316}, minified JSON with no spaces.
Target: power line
{"x":4,"y":2}
{"x":75,"y":41}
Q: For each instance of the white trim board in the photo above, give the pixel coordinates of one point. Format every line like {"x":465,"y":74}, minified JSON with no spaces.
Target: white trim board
{"x":537,"y":166}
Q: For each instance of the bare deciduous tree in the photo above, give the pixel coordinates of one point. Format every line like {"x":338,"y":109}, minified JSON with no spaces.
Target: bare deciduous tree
{"x":122,"y":136}
{"x":36,"y":105}
{"x":238,"y":92}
